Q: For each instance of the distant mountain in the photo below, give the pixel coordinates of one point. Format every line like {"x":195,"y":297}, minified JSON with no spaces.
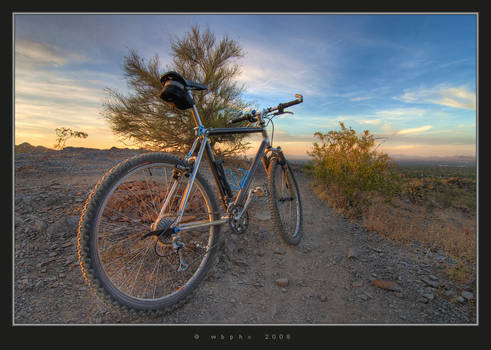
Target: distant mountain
{"x":457,"y":160}
{"x":28,"y":148}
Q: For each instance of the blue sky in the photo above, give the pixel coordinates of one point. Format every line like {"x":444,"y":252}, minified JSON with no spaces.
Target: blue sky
{"x":408,"y":78}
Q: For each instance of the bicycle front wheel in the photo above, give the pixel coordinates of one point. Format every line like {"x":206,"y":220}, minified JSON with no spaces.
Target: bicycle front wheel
{"x":284,"y":202}
{"x":144,"y":272}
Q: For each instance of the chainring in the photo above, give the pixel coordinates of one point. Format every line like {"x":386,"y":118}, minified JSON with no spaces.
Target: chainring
{"x":238,"y":226}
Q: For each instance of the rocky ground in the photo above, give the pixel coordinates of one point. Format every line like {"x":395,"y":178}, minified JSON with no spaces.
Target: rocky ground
{"x":339,"y":273}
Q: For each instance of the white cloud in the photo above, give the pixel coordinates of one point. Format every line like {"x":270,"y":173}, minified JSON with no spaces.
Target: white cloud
{"x":370,"y":121}
{"x":400,"y":113}
{"x":414,"y":130}
{"x":28,"y":53}
{"x":268,"y":72}
{"x":360,"y":98}
{"x":46,"y":100}
{"x":58,"y":88}
{"x":75,"y":87}
{"x":456,"y":97}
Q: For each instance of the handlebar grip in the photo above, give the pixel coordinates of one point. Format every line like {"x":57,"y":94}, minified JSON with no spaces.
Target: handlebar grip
{"x":248,"y":117}
{"x":289,"y":104}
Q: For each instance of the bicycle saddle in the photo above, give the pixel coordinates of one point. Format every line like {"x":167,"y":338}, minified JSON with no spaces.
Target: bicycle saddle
{"x":177,"y":77}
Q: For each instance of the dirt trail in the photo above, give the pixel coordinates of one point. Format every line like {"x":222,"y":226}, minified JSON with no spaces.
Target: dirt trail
{"x":330,"y":273}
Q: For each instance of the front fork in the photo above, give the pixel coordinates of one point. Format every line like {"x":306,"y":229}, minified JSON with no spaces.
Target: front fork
{"x":189,"y":171}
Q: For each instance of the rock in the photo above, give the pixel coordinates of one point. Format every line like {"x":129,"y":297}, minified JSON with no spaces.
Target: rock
{"x":301,"y":284}
{"x":357,"y":284}
{"x":429,"y":296}
{"x":279,"y":252}
{"x":38,"y":225}
{"x":467,"y":295}
{"x":423,"y":300}
{"x":388,"y":285}
{"x":449,"y":293}
{"x":433,"y":277}
{"x":64,"y":227}
{"x":322,"y":298}
{"x":433,"y":284}
{"x":282,"y":282}
{"x":240,"y":262}
{"x":460,"y":299}
{"x":352,"y":254}
{"x":67,"y":244}
{"x":230,"y":247}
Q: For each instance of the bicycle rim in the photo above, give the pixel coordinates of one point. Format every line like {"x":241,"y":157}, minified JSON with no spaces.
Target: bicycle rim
{"x":287,"y":200}
{"x":145,"y":271}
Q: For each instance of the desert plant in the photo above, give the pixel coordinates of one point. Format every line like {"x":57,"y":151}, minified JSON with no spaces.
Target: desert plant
{"x":350,"y":165}
{"x":63,"y":134}
{"x":142,"y":118}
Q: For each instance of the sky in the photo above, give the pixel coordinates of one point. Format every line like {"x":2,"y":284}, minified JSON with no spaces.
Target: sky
{"x":410,"y":79}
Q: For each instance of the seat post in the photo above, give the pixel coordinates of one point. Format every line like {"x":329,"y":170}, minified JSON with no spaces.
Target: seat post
{"x":196,"y":117}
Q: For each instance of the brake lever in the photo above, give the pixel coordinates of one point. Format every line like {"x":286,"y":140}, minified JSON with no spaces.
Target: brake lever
{"x":282,"y":112}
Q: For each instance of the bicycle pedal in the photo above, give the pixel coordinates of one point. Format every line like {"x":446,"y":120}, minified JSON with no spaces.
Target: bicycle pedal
{"x":258,"y":191}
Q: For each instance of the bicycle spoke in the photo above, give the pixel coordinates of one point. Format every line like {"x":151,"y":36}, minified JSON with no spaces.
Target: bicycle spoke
{"x":286,"y":200}
{"x":132,"y":263}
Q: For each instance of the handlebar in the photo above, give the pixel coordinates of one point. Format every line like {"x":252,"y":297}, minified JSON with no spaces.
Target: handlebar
{"x":282,"y":106}
{"x":251,"y":117}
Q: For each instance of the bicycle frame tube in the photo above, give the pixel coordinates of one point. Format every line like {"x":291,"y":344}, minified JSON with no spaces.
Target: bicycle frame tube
{"x":206,"y":147}
{"x":184,"y":199}
{"x":244,"y":186}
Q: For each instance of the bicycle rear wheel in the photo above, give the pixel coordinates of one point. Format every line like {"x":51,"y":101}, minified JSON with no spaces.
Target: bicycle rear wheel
{"x":142,"y":273}
{"x":284,"y":202}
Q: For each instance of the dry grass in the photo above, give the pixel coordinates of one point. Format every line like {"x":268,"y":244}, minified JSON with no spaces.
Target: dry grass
{"x":448,"y":229}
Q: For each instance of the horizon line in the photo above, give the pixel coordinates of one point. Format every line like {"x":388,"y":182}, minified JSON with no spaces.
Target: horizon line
{"x":291,"y":156}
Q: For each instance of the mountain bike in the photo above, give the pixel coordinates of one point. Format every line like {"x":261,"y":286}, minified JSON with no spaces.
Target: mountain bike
{"x":149,"y":230}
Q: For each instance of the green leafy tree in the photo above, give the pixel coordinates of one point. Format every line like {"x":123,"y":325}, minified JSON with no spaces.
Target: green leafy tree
{"x":143,"y":119}
{"x":63,"y":134}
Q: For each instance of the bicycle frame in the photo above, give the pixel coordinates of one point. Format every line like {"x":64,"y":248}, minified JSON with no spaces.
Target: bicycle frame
{"x":202,"y":135}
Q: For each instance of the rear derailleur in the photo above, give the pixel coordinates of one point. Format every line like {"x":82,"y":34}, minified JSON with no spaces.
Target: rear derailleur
{"x":168,"y":242}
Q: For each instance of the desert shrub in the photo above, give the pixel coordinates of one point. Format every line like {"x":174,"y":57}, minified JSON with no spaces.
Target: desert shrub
{"x":142,"y":118}
{"x":456,"y":192}
{"x":351,"y":167}
{"x":63,"y":134}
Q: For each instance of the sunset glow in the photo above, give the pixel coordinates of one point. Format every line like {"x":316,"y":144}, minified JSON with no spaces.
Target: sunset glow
{"x":409,"y":79}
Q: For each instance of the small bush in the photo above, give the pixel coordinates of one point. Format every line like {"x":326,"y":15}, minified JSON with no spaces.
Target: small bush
{"x":352,"y":169}
{"x":63,"y":134}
